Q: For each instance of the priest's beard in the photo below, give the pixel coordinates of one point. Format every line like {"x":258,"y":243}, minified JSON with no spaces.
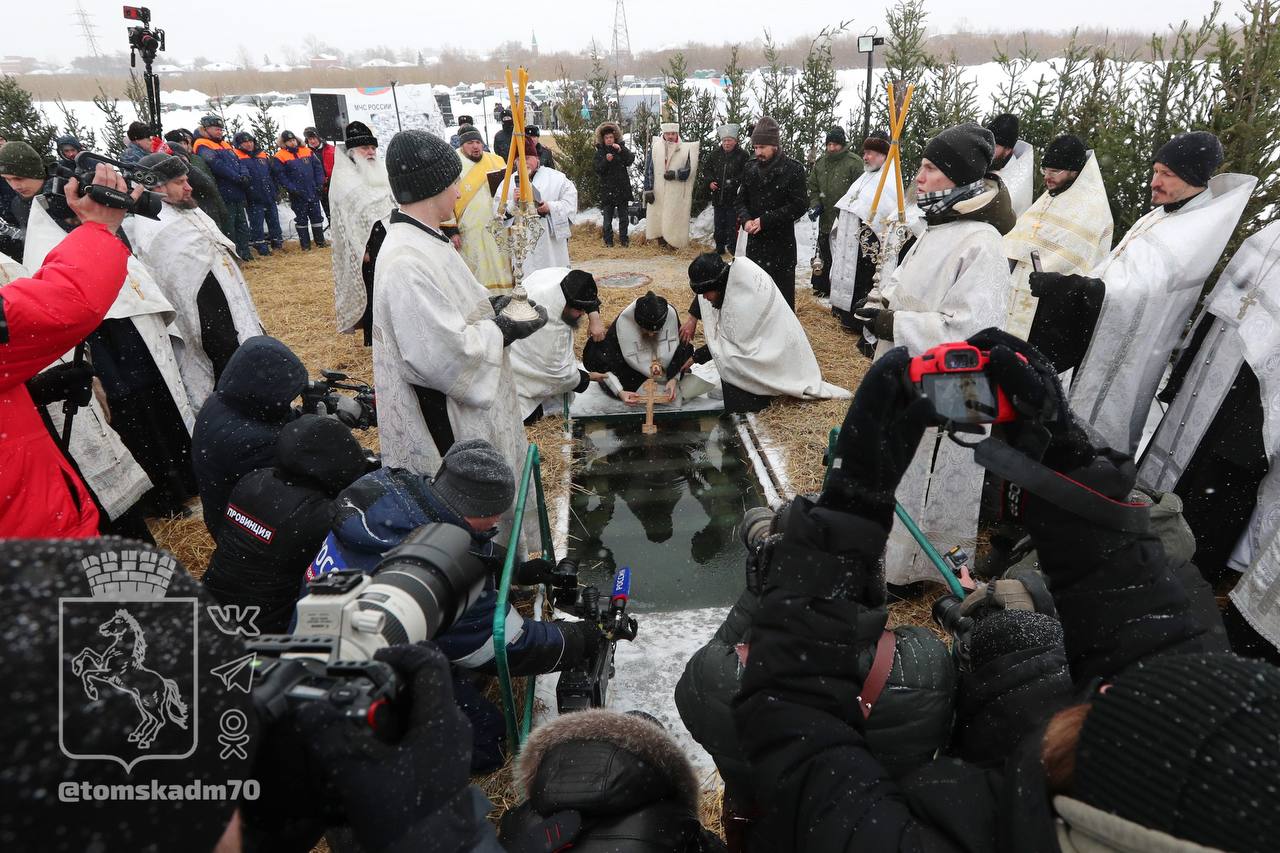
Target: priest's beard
{"x":185,"y":204}
{"x":1000,"y":162}
{"x":475,"y":159}
{"x":571,"y":322}
{"x":372,"y":173}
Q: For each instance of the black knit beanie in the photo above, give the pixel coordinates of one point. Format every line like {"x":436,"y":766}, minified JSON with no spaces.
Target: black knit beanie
{"x":579,"y":289}
{"x":467,"y":133}
{"x":1011,"y":631}
{"x":651,"y":312}
{"x":963,"y":152}
{"x":708,"y":272}
{"x":473,"y":478}
{"x":357,"y":133}
{"x":836,"y":135}
{"x":420,"y":165}
{"x":1193,"y":156}
{"x":21,"y":160}
{"x":877,"y":141}
{"x":166,"y":167}
{"x":1188,"y":745}
{"x":1004,"y":127}
{"x":1065,"y":152}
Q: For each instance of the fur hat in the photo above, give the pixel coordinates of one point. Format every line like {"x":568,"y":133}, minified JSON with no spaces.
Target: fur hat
{"x":311,"y":131}
{"x":420,"y":165}
{"x":725,"y":131}
{"x":243,"y":137}
{"x":179,"y":134}
{"x":1193,"y":156}
{"x":651,"y":312}
{"x":467,"y":133}
{"x":669,"y":127}
{"x":211,"y":120}
{"x":877,"y":141}
{"x":465,"y":119}
{"x":836,"y":135}
{"x":1004,"y":127}
{"x":1065,"y":152}
{"x":962,"y":152}
{"x":708,"y":272}
{"x":138,"y":131}
{"x":357,"y":133}
{"x":608,"y":127}
{"x":766,"y":132}
{"x":288,"y":136}
{"x":579,"y":290}
{"x":21,"y":160}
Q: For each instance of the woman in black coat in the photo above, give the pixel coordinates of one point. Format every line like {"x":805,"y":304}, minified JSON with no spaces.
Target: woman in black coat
{"x":613,"y":160}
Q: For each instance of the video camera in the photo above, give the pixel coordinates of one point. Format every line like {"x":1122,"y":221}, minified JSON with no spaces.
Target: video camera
{"x":587,"y":685}
{"x":321,"y":397}
{"x":420,"y":588}
{"x":143,"y":39}
{"x":85,"y":165}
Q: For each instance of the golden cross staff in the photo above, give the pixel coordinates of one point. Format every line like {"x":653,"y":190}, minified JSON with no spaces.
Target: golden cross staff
{"x":525,"y":231}
{"x":894,"y":234}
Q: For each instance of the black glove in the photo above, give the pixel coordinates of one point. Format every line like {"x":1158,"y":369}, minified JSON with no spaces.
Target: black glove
{"x":879,"y":437}
{"x":499,"y":302}
{"x":557,"y":832}
{"x":581,"y":640}
{"x":649,"y":197}
{"x":669,"y":175}
{"x":533,"y":572}
{"x":514,"y":330}
{"x":1057,"y":284}
{"x":71,"y":382}
{"x":386,"y":789}
{"x":815,"y":212}
{"x":878,"y":320}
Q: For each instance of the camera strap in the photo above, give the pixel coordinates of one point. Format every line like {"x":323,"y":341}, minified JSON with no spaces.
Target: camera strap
{"x":873,"y":685}
{"x":1060,"y":490}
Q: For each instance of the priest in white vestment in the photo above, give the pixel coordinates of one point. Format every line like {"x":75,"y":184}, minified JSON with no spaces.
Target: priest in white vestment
{"x":440,"y":357}
{"x":1014,"y":161}
{"x":1121,"y":322}
{"x":557,"y":203}
{"x":1069,"y":226}
{"x":194,"y":265}
{"x":544,"y":364}
{"x":953,"y":283}
{"x":670,"y":172}
{"x":359,"y":204}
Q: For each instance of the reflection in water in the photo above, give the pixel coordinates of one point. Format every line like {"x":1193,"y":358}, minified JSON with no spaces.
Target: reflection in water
{"x":667,"y":505}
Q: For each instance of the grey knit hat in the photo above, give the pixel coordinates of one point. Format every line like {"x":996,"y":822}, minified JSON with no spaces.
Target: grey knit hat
{"x":962,"y":152}
{"x":420,"y":165}
{"x":766,"y":132}
{"x":473,"y":479}
{"x":467,"y":133}
{"x":21,"y":160}
{"x":166,"y":167}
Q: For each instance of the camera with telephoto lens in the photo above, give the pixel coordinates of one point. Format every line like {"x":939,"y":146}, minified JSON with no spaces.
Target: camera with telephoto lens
{"x":587,"y":684}
{"x":954,"y":378}
{"x":86,"y":164}
{"x":358,"y":410}
{"x":420,"y":588}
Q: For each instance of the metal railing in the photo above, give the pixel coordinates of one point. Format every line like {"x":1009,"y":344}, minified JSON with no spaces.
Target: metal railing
{"x":517,"y":732}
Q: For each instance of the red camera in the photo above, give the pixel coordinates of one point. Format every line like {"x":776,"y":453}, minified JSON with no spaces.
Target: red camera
{"x":954,"y":378}
{"x":137,"y":13}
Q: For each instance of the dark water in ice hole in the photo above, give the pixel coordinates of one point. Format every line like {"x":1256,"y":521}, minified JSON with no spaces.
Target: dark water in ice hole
{"x":668,"y":505}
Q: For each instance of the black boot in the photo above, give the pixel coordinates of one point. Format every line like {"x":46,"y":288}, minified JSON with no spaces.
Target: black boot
{"x":318,"y":230}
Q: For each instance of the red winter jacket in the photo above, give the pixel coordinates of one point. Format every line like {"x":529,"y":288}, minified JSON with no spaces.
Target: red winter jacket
{"x":41,"y":495}
{"x":325,"y":153}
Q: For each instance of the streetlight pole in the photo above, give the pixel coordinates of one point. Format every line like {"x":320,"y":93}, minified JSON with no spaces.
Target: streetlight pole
{"x":396,"y":103}
{"x":867,"y":44}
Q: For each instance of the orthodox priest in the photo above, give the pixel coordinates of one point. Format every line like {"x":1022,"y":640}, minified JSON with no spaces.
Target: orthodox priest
{"x":953,"y":283}
{"x":440,"y":359}
{"x":758,"y":345}
{"x":669,"y":171}
{"x":132,"y":357}
{"x":191,"y":260}
{"x":1014,"y":161}
{"x":1069,"y":226}
{"x":544,"y":364}
{"x":1118,"y":325}
{"x":359,"y":204}
{"x":1218,"y":443}
{"x":645,"y":332}
{"x":556,"y":199}
{"x":853,"y":267}
{"x":473,"y":211}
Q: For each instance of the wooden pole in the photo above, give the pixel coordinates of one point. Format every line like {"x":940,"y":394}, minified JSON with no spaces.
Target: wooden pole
{"x":655,"y":370}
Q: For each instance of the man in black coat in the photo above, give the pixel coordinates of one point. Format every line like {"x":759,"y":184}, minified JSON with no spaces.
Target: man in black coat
{"x":723,"y":175}
{"x":613,"y":160}
{"x":238,"y":426}
{"x":502,"y":139}
{"x":277,"y":518}
{"x":772,"y":197}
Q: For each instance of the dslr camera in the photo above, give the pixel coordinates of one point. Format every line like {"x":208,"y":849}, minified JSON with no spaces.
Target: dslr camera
{"x":420,"y":588}
{"x":358,"y":410}
{"x":954,"y":378}
{"x":82,"y":169}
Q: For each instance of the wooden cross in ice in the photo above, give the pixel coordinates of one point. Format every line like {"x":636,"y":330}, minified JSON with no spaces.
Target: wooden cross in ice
{"x":651,"y":395}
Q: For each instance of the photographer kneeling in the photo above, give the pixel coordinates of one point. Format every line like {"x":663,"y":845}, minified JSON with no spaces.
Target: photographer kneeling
{"x":472,"y":489}
{"x":1144,"y":742}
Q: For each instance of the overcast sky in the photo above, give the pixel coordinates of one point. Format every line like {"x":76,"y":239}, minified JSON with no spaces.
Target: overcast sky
{"x":47,"y":30}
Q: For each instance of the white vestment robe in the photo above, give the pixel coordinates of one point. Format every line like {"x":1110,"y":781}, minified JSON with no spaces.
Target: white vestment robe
{"x":668,"y":216}
{"x":1153,"y":279}
{"x":1244,"y":309}
{"x":1072,"y":233}
{"x":561,"y":196}
{"x":855,"y":211}
{"x":433,"y":329}
{"x":543,"y":364}
{"x":952,"y":284}
{"x":758,"y":343}
{"x":181,"y":249}
{"x":359,"y":197}
{"x":1019,"y":176}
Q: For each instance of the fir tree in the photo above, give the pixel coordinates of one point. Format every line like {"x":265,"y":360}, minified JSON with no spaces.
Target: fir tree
{"x":816,"y":94}
{"x":577,"y":143}
{"x":264,"y":127}
{"x":114,"y":124}
{"x":21,"y":120}
{"x":73,"y":127}
{"x":735,"y":93}
{"x":776,"y":95}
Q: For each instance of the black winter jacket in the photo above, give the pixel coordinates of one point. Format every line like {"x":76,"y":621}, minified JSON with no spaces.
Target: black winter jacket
{"x":1118,"y":599}
{"x":724,"y":169}
{"x":615,"y":179}
{"x":775,"y":193}
{"x":237,"y":427}
{"x":277,"y":518}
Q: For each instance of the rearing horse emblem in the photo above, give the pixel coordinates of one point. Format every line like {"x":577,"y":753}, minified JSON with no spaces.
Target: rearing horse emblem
{"x":122,"y":666}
